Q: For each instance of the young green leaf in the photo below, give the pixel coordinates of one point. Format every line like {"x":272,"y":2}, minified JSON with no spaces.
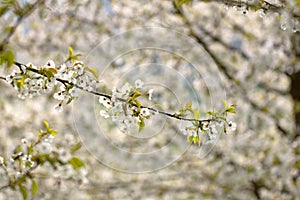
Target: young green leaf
{"x":141,"y":125}
{"x":76,"y":162}
{"x":23,"y":191}
{"x":70,"y":52}
{"x":93,"y":71}
{"x":34,"y":187}
{"x":188,"y":106}
{"x":231,"y":109}
{"x":224,"y":103}
{"x":75,"y":147}
{"x":196,"y":114}
{"x":181,"y":2}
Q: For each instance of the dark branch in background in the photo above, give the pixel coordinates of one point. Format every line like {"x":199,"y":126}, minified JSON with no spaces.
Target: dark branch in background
{"x":65,"y":82}
{"x":20,"y":18}
{"x":227,"y":46}
{"x":224,"y":68}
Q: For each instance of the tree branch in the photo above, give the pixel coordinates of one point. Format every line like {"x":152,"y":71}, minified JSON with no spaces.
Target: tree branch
{"x":19,"y":21}
{"x":175,"y":116}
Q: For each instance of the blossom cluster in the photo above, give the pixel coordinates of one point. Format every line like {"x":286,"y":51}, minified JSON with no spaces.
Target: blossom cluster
{"x":210,"y":127}
{"x":42,"y":151}
{"x":32,"y":80}
{"x":124,"y":108}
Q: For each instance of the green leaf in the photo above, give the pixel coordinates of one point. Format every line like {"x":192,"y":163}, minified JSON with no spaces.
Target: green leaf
{"x":297,"y":164}
{"x":211,"y":113}
{"x":49,"y":130}
{"x":181,"y":2}
{"x":23,"y":191}
{"x":188,"y":106}
{"x":76,"y":162}
{"x":34,"y":187}
{"x":71,"y":56}
{"x":138,"y":103}
{"x":141,"y":124}
{"x":196,"y":114}
{"x":7,"y":57}
{"x":47,"y":72}
{"x":52,"y":132}
{"x":136,"y":94}
{"x":231,"y":109}
{"x":189,"y":139}
{"x":69,"y":100}
{"x":46,"y":124}
{"x":93,"y":71}
{"x":224,"y":103}
{"x":70,"y":51}
{"x":52,"y":70}
{"x":75,"y":147}
{"x":3,"y":10}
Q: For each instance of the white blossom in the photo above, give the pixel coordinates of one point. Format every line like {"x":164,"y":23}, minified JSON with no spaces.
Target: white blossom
{"x":232,"y":126}
{"x":105,"y":101}
{"x":50,"y":64}
{"x":61,"y":68}
{"x":138,"y":84}
{"x":1,"y":160}
{"x":150,"y":92}
{"x":104,"y":114}
{"x":145,"y":112}
{"x":58,"y":107}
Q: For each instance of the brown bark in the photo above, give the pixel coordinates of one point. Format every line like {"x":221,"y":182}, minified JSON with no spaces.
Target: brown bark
{"x":295,"y":84}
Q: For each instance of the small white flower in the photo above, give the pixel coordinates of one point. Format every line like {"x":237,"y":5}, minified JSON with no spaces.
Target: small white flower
{"x":105,"y":102}
{"x":44,"y":147}
{"x":130,"y":121}
{"x":138,"y":84}
{"x":23,"y":68}
{"x":184,"y":131}
{"x":150,"y":92}
{"x":104,"y":114}
{"x":79,"y":67}
{"x":145,"y":112}
{"x":9,"y":78}
{"x":64,"y":155}
{"x":59,"y":96}
{"x":61,"y":68}
{"x":24,"y":141}
{"x":211,"y":135}
{"x":50,"y":64}
{"x":232,"y":126}
{"x":73,"y":92}
{"x":1,"y":160}
{"x":125,"y":90}
{"x":191,"y":132}
{"x":30,"y":65}
{"x":58,"y":107}
{"x":205,"y":126}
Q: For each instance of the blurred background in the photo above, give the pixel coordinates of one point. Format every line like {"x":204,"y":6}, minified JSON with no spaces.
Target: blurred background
{"x":250,"y":49}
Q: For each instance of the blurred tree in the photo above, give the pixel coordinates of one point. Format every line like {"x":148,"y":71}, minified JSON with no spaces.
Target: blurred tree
{"x":255,"y":45}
